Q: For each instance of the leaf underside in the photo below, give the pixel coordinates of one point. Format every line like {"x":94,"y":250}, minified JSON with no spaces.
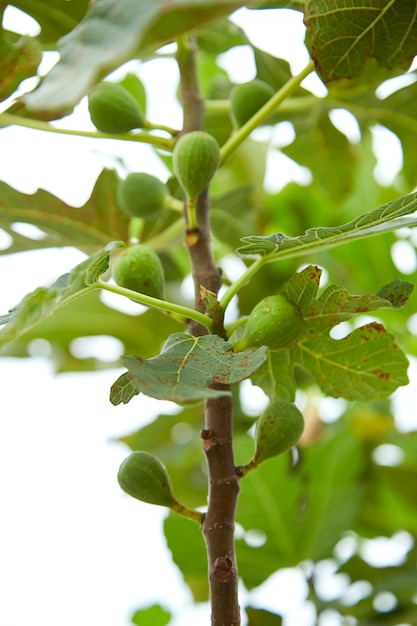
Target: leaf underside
{"x":185,"y":371}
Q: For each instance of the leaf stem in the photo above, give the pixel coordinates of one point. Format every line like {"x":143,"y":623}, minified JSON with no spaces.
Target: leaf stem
{"x":7,"y":119}
{"x":241,"y":282}
{"x":260,"y":116}
{"x":168,"y":307}
{"x":195,"y":516}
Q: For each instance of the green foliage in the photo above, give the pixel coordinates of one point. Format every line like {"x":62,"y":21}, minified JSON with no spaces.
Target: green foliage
{"x":186,"y":369}
{"x":153,"y":616}
{"x":341,"y":227}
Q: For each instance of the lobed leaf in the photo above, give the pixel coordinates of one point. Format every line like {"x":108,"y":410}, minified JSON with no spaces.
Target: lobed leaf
{"x":364,"y":365}
{"x":344,"y":34}
{"x":186,"y":369}
{"x":87,"y":227}
{"x":386,"y":218}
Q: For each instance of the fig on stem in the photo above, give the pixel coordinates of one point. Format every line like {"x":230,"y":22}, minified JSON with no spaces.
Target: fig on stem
{"x":138,"y":268}
{"x":195,"y":159}
{"x":247,"y":98}
{"x":145,"y":478}
{"x":141,"y":195}
{"x":278,"y":430}
{"x":113,"y":109}
{"x":275,"y":322}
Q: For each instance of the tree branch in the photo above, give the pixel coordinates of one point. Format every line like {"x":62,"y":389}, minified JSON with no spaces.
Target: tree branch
{"x":218,"y":523}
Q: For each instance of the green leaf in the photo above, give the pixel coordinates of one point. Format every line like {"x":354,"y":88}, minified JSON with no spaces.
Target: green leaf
{"x":344,"y":34}
{"x":274,"y":71}
{"x":87,"y":228}
{"x":260,"y":617}
{"x":388,"y":217}
{"x":301,"y":511}
{"x":364,"y":365}
{"x":110,"y":35}
{"x":55,"y":17}
{"x":90,"y":317}
{"x":153,"y":616}
{"x":186,"y":543}
{"x":39,"y":304}
{"x":276,"y":375}
{"x":185,"y":370}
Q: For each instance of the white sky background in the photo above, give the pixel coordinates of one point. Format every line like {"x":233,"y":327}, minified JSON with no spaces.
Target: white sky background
{"x":73,"y":548}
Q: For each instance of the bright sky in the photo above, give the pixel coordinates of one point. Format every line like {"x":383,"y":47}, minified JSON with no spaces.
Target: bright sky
{"x":72,"y":545}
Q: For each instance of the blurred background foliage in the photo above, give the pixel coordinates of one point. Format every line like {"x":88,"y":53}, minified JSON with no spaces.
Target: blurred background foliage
{"x":352,"y":484}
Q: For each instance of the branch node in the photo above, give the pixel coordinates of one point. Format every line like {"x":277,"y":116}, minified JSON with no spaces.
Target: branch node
{"x":223,"y":569}
{"x":192,"y":237}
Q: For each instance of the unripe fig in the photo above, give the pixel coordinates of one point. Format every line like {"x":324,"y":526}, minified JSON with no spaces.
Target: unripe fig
{"x":278,"y":429}
{"x":113,"y":109}
{"x":195,"y":159}
{"x":275,"y":322}
{"x":141,"y":195}
{"x":145,"y":478}
{"x":139,"y":268}
{"x":246,"y":99}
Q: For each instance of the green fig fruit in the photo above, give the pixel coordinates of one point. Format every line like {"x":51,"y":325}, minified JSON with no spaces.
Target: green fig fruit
{"x":195,"y":159}
{"x":278,"y":430}
{"x":145,"y":478}
{"x":141,"y":195}
{"x":246,"y":100}
{"x":138,"y":268}
{"x":113,"y":109}
{"x":275,"y":322}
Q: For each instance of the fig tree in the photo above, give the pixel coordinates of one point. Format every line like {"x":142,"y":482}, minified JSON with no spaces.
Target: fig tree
{"x":275,"y":322}
{"x":138,"y":268}
{"x":141,"y":195}
{"x":145,"y":478}
{"x":113,"y":109}
{"x":195,"y":159}
{"x":246,"y":99}
{"x":278,"y":430}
